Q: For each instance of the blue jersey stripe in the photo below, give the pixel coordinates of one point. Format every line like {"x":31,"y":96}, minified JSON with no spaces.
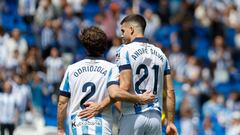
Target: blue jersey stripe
{"x":150,"y":106}
{"x":127,"y":58}
{"x":84,"y":127}
{"x":66,"y":84}
{"x":99,"y":127}
{"x":159,"y":109}
{"x":74,"y":129}
{"x":137,"y":108}
{"x":110,"y":75}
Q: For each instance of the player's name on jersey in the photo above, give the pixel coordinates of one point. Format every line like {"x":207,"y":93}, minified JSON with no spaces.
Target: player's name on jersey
{"x":141,"y":51}
{"x":83,"y":69}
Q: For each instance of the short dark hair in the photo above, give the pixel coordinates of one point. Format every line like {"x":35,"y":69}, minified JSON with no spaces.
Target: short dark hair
{"x":135,"y":18}
{"x":94,"y":40}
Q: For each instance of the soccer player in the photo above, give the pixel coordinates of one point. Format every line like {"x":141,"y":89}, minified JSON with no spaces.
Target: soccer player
{"x":86,"y":84}
{"x":144,"y":66}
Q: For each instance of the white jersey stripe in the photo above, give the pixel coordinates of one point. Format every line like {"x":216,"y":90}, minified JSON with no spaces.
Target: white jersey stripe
{"x":84,"y":127}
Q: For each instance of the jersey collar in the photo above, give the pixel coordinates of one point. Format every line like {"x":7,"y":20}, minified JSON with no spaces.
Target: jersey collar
{"x":142,"y":39}
{"x":95,"y":58}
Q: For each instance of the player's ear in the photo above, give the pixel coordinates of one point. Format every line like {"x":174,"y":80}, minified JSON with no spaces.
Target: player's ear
{"x":132,"y":30}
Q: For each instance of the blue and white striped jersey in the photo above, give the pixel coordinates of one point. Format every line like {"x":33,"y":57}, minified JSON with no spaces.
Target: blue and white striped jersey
{"x":8,"y":105}
{"x":87,"y":80}
{"x":149,"y":65}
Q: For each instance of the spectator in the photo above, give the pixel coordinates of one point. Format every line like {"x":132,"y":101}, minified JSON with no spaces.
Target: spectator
{"x":186,"y":122}
{"x":16,"y":43}
{"x":47,"y":36}
{"x":111,"y":55}
{"x":3,"y":38}
{"x":59,"y":6}
{"x":54,"y":66}
{"x":70,"y":25}
{"x":163,"y":12}
{"x":121,"y":15}
{"x":27,"y":8}
{"x":233,"y":101}
{"x":9,"y":111}
{"x":13,"y":62}
{"x":22,"y":92}
{"x":37,"y":93}
{"x":220,"y":57}
{"x":177,"y":61}
{"x":109,"y":22}
{"x":213,"y":105}
{"x":45,"y":11}
{"x":186,"y":35}
{"x":207,"y":126}
{"x":77,"y":6}
{"x":34,"y":59}
{"x":153,"y":22}
{"x":234,"y":127}
{"x":192,"y":69}
{"x":98,"y":20}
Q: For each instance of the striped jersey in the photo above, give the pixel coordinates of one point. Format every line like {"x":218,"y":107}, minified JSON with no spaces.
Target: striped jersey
{"x":149,"y":65}
{"x":9,"y":108}
{"x":87,"y":80}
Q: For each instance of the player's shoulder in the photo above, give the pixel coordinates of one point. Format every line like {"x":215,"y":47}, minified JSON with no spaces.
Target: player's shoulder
{"x":75,"y":65}
{"x":157,"y":49}
{"x":107,"y":63}
{"x":121,"y":47}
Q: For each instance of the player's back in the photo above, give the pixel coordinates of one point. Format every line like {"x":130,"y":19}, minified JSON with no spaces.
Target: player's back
{"x":148,"y":64}
{"x":86,"y":81}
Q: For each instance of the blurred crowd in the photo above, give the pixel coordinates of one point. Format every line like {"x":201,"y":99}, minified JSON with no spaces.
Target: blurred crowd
{"x":201,"y":38}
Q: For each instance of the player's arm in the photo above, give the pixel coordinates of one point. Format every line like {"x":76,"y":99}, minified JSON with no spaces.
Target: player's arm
{"x":116,"y":94}
{"x":126,"y":79}
{"x":64,"y":95}
{"x":170,"y":98}
{"x":93,"y":108}
{"x":62,"y":108}
{"x":119,"y":94}
{"x":125,"y":69}
{"x":170,"y":105}
{"x":117,"y":106}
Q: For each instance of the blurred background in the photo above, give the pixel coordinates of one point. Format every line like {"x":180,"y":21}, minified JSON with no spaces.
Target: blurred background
{"x":201,"y":38}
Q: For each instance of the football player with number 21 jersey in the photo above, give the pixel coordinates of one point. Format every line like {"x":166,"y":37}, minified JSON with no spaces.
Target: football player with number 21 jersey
{"x":144,"y":67}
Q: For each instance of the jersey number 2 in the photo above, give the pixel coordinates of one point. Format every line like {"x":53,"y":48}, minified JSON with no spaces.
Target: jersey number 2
{"x":90,"y":94}
{"x":145,"y":75}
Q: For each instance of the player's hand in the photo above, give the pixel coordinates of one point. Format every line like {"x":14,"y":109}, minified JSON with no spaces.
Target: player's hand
{"x":146,"y":97}
{"x":171,"y":129}
{"x":60,"y":132}
{"x":91,"y":110}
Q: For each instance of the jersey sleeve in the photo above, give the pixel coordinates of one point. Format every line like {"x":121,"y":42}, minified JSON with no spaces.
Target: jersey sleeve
{"x":64,"y":87}
{"x":123,"y":61}
{"x":167,"y":69}
{"x":113,"y":77}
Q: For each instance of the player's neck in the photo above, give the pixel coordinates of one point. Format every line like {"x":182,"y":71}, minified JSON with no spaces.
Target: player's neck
{"x":137,"y":36}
